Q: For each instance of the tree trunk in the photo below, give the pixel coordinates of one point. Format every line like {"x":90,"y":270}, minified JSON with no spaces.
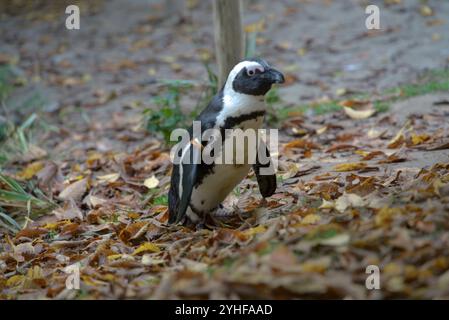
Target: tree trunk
{"x":228,"y":36}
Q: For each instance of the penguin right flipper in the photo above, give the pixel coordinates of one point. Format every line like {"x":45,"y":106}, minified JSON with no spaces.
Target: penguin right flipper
{"x":181,"y":190}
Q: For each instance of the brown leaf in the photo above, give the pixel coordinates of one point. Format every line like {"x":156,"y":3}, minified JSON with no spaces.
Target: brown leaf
{"x":133,"y":231}
{"x":31,"y":233}
{"x":74,"y":191}
{"x":68,"y":212}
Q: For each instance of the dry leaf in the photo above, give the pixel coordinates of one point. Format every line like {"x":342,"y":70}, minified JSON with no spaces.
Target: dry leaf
{"x":31,"y":170}
{"x":147,"y":246}
{"x":151,"y":182}
{"x":109,"y":177}
{"x":350,"y":166}
{"x":359,"y":114}
{"x":74,"y":191}
{"x":311,"y":219}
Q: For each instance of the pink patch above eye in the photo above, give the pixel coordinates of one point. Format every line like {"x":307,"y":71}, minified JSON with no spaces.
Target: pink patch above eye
{"x":254,"y":69}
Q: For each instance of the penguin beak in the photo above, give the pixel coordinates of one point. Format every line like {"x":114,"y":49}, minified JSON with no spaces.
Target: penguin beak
{"x":275,"y":76}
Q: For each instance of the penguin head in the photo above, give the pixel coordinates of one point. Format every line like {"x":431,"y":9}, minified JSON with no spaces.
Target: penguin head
{"x":253,"y":77}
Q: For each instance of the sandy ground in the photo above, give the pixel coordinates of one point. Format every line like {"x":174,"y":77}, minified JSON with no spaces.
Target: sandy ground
{"x":323,"y":46}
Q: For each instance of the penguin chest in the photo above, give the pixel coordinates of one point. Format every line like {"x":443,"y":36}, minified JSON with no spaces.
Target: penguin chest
{"x":224,"y":177}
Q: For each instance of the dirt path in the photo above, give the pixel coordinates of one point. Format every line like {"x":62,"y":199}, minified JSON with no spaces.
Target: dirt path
{"x":127,"y":57}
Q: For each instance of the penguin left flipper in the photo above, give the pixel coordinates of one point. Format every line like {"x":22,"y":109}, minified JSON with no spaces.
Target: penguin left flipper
{"x":179,"y":200}
{"x":265,"y":174}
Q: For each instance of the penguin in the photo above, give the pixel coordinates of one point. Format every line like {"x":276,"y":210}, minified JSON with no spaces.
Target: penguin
{"x":198,"y":189}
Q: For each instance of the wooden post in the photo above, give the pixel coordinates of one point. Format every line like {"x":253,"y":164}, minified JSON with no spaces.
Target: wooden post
{"x":228,"y":36}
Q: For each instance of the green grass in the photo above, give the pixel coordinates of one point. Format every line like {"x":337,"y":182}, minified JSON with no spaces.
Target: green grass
{"x":19,"y":202}
{"x":431,"y":82}
{"x":168,"y":114}
{"x":19,"y":118}
{"x":161,"y":200}
{"x":16,"y":140}
{"x":413,"y":90}
{"x":6,"y":84}
{"x":316,"y":108}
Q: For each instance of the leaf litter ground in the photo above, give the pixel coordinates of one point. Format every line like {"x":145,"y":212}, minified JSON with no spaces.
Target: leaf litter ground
{"x":351,"y":193}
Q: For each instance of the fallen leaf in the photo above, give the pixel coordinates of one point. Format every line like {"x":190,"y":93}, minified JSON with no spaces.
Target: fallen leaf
{"x":336,"y":241}
{"x":15,"y":280}
{"x":31,"y":170}
{"x":147,"y":246}
{"x":419,"y":138}
{"x":359,"y":114}
{"x":342,"y":167}
{"x":425,"y":10}
{"x":133,"y":231}
{"x":109,"y":177}
{"x":385,"y":215}
{"x":253,"y":231}
{"x":149,"y":260}
{"x":311,"y":219}
{"x":348,"y":200}
{"x":68,"y":212}
{"x":151,"y":182}
{"x":74,"y":191}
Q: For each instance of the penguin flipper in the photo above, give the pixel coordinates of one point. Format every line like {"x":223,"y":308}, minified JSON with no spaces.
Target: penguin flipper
{"x":181,"y":189}
{"x":265,"y":173}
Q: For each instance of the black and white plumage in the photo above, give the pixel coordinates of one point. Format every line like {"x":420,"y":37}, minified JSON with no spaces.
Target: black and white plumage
{"x":198,"y":189}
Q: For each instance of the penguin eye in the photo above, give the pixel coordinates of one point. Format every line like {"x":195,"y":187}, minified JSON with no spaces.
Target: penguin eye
{"x":253,"y":70}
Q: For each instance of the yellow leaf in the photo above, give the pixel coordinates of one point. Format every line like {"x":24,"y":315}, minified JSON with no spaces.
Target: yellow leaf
{"x":151,"y":182}
{"x":15,"y":280}
{"x":50,"y":226}
{"x":385,"y":216}
{"x":301,"y":52}
{"x":341,"y":92}
{"x":419,"y":138}
{"x":31,"y":170}
{"x":311,"y":219}
{"x":147,"y":246}
{"x":321,"y":130}
{"x":362,"y":153}
{"x":253,"y":231}
{"x":114,"y":257}
{"x":426,"y":11}
{"x":35,"y":273}
{"x":327,"y":204}
{"x":259,"y":26}
{"x":349,"y":166}
{"x":316,"y":266}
